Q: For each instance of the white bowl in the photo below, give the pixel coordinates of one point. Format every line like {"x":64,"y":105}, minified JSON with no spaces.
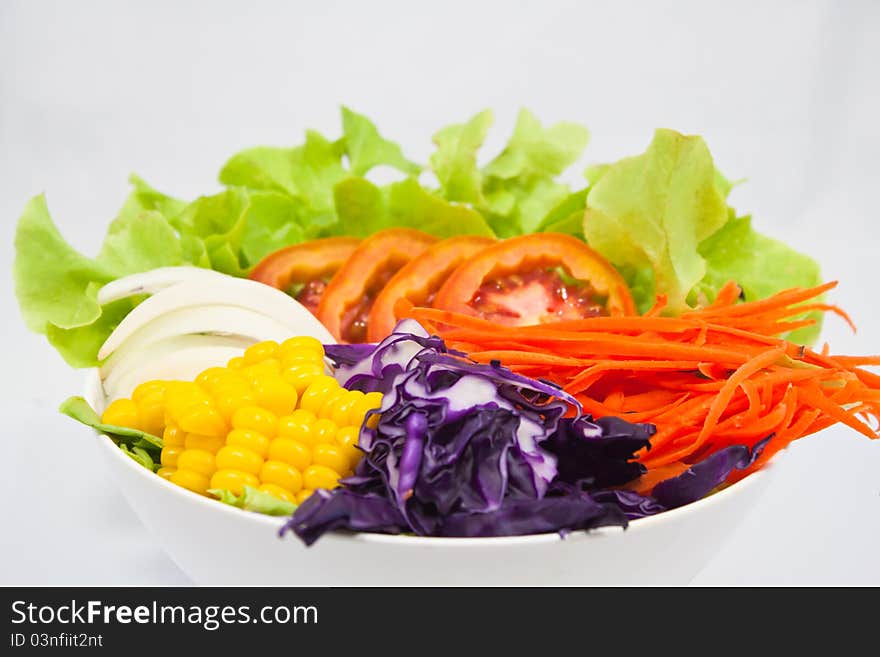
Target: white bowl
{"x":216,"y":544}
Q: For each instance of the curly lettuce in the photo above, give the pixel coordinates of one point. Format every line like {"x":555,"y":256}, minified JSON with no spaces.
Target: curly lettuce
{"x":660,"y":217}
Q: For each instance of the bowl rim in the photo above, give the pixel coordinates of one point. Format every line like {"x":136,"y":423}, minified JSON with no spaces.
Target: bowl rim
{"x":93,"y":388}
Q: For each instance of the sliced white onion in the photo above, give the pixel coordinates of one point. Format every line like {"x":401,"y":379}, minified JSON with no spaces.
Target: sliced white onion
{"x":151,"y":282}
{"x":199,"y":320}
{"x":179,"y":357}
{"x":227,"y":291}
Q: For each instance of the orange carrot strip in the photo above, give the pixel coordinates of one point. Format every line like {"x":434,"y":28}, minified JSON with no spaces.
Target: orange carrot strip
{"x":645,"y":484}
{"x":659,"y":304}
{"x":853,"y":361}
{"x":513,"y":357}
{"x":755,"y":403}
{"x":784,"y":298}
{"x":756,"y":364}
{"x":728,"y":295}
{"x":821,"y":403}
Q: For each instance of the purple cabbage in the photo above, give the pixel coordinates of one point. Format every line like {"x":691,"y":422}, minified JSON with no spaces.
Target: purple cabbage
{"x":598,"y":453}
{"x":693,"y":484}
{"x":466,"y":449}
{"x":702,"y":478}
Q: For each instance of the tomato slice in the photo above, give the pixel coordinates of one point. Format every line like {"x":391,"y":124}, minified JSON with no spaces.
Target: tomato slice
{"x":420,"y":279}
{"x":346,"y":303}
{"x":536,"y":279}
{"x":307,"y":266}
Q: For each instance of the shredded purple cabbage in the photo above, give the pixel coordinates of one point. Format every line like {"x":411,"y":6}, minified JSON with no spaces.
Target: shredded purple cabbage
{"x":598,"y":453}
{"x":702,"y":478}
{"x":693,"y":484}
{"x":466,"y":449}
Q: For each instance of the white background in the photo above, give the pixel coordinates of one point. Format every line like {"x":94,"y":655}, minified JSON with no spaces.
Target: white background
{"x":786,"y":94}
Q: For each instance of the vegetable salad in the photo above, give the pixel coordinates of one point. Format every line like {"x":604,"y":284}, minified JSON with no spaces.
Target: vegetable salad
{"x":468,"y":351}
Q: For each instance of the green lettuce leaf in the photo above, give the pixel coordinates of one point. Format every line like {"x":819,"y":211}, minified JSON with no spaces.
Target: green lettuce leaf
{"x":412,"y":206}
{"x":655,"y":209}
{"x":364,"y":208}
{"x":366,"y":148}
{"x":361,"y":207}
{"x":254,"y":500}
{"x":138,"y":242}
{"x":271,"y":221}
{"x":520,"y":186}
{"x":79,"y":345}
{"x":262,"y":167}
{"x":567,"y":216}
{"x":518,"y":206}
{"x":517,"y":189}
{"x":57,"y":287}
{"x":760,"y":265}
{"x":535,"y":151}
{"x":80,"y":410}
{"x":455,"y":161}
{"x":308,"y":172}
{"x":661,"y":217}
{"x":144,"y":197}
{"x":140,"y":456}
{"x":53,"y":282}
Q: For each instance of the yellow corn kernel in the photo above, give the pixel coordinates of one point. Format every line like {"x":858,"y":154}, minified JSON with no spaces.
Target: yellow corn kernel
{"x":276,"y":395}
{"x":332,"y":456}
{"x":231,"y":381}
{"x":170,"y":455}
{"x":256,"y":419}
{"x":298,"y":426}
{"x":302,"y":374}
{"x":347,"y":439}
{"x":370,"y":401}
{"x":173,"y":436}
{"x":201,"y":441}
{"x":281,"y":474}
{"x":230,"y":398}
{"x":151,"y":412}
{"x":261,"y":370}
{"x":235,"y":363}
{"x":166,"y":473}
{"x":302,"y":343}
{"x":148,"y":388}
{"x":197,"y":460}
{"x":316,"y":394}
{"x":348,"y":436}
{"x":233,"y":457}
{"x":291,"y":451}
{"x":203,"y":419}
{"x":279,"y":492}
{"x":180,"y":395}
{"x":303,"y":495}
{"x":324,"y":431}
{"x":234,"y":480}
{"x":253,"y":441}
{"x":122,"y":413}
{"x":319,"y":476}
{"x":295,"y":358}
{"x":194,"y":481}
{"x":211,"y":377}
{"x":341,"y":412}
{"x":261,"y":351}
{"x":332,"y":401}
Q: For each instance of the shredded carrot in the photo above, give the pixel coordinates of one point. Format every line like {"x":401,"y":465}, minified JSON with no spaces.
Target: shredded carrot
{"x":715,"y":376}
{"x":727,"y":295}
{"x":645,"y":484}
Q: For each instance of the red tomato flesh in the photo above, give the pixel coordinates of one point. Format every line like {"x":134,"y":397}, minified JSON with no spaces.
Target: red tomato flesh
{"x":310,"y":294}
{"x":535,"y":297}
